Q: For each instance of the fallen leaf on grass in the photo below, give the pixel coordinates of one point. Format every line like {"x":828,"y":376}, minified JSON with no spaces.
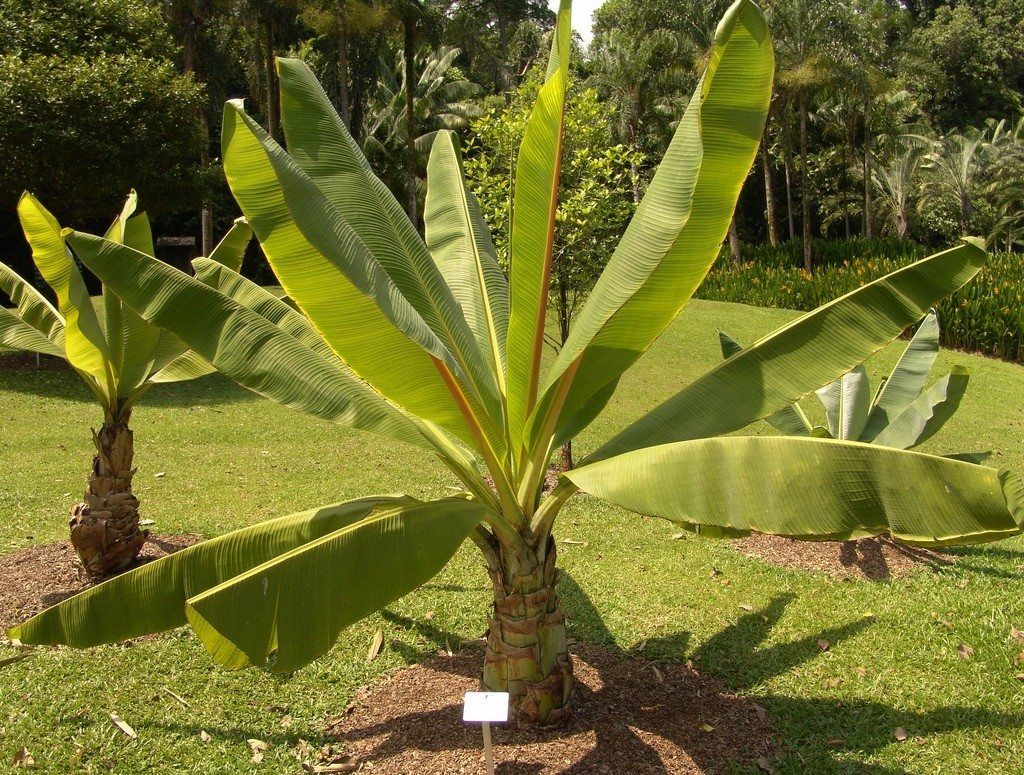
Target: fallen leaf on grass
{"x":763,"y":765}
{"x":746,"y":607}
{"x":824,"y":644}
{"x":286,"y":721}
{"x":964,"y":651}
{"x":159,"y":474}
{"x":1020,"y":676}
{"x":1019,"y":659}
{"x":570,"y":542}
{"x":343,"y":764}
{"x":123,"y":725}
{"x":428,"y":615}
{"x":706,"y":727}
{"x":861,"y":671}
{"x":22,"y":758}
{"x":257,"y":747}
{"x":178,"y":697}
{"x":205,"y":736}
{"x":1017,"y":635}
{"x":900,"y":734}
{"x":375,"y":644}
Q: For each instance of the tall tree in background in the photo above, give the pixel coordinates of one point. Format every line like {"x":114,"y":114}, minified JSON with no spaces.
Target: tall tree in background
{"x":803,"y":44}
{"x":272,"y":23}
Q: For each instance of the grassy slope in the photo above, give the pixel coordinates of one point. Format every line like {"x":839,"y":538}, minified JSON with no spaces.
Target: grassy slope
{"x":230,"y":459}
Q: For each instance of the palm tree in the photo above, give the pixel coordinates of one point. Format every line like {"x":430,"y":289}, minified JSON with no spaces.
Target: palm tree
{"x":428,"y":343}
{"x":804,"y":49}
{"x":442,"y":99}
{"x":896,"y":184}
{"x":119,"y":357}
{"x":636,"y":76}
{"x":957,"y":165}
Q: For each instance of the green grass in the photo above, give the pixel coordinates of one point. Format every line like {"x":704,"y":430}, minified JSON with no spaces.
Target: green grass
{"x":231,"y":459}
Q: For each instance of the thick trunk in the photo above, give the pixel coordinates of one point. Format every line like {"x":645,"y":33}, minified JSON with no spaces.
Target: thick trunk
{"x":527,"y":650}
{"x":343,"y":108}
{"x":270,"y":79}
{"x":769,"y":198}
{"x":869,"y":216}
{"x":410,"y":119}
{"x":805,"y":194}
{"x":105,"y":526}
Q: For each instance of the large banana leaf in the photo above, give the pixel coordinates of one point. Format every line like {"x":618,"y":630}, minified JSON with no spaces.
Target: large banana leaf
{"x":84,"y":340}
{"x":675,"y":235}
{"x":230,"y":251}
{"x":460,"y":244}
{"x":152,"y":598}
{"x":240,"y":343}
{"x":907,"y":379}
{"x":812,"y":351}
{"x":33,"y":324}
{"x":321,"y":145}
{"x":329,"y":273}
{"x":919,"y":421}
{"x":262,"y":617}
{"x":810,"y":488}
{"x":531,"y":243}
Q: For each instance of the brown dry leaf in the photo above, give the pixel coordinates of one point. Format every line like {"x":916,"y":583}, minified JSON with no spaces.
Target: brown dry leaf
{"x":900,"y":734}
{"x":375,"y":644}
{"x":124,"y":726}
{"x":287,"y":721}
{"x":870,"y":616}
{"x":159,"y":474}
{"x":178,"y":697}
{"x":344,"y":764}
{"x":833,"y":742}
{"x":428,"y":615}
{"x":658,"y":674}
{"x":823,"y":644}
{"x":641,"y":645}
{"x":257,"y":747}
{"x":22,"y":758}
{"x":761,"y":711}
{"x":204,"y":736}
{"x":1019,"y":659}
{"x":746,"y":607}
{"x":832,"y":683}
{"x":706,"y":727}
{"x":861,"y":671}
{"x":570,"y":542}
{"x":763,"y":765}
{"x":1020,"y":676}
{"x":964,"y":651}
{"x":1017,"y":635}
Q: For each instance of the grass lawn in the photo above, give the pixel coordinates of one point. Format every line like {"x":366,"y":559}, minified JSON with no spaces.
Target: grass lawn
{"x":230,"y":459}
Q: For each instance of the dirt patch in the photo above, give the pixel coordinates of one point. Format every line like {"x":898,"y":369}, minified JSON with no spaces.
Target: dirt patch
{"x":630,"y":715}
{"x":876,"y":559}
{"x":38,"y":577}
{"x":24,"y":361}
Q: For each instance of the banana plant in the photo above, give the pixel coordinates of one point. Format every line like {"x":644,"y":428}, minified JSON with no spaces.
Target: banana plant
{"x":902,"y":414}
{"x":118,"y":356}
{"x":425,"y":342}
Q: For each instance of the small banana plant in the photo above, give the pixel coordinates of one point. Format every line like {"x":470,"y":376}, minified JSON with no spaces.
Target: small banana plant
{"x":901,"y":414}
{"x":118,"y":355}
{"x":425,"y":342}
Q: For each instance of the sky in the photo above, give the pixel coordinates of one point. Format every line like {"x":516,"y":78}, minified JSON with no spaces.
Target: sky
{"x":582,"y":11}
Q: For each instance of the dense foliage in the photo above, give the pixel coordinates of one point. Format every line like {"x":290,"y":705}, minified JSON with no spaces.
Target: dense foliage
{"x":986,"y":316}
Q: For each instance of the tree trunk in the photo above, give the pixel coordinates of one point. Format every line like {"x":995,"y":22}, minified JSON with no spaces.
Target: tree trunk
{"x":206,"y":213}
{"x":527,"y":651}
{"x":805,"y":194}
{"x":734,"y":242}
{"x":631,"y":132}
{"x":869,"y":217}
{"x":190,"y":24}
{"x":270,"y":79}
{"x":504,"y":82}
{"x":769,"y":197}
{"x":410,"y":118}
{"x":343,"y":108}
{"x":105,"y":526}
{"x":787,"y":160}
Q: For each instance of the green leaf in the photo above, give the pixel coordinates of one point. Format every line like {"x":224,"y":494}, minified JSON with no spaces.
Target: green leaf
{"x":265,"y":616}
{"x":329,"y":273}
{"x":33,"y":324}
{"x":152,"y":598}
{"x":813,"y":350}
{"x":460,"y":244}
{"x":531,"y":243}
{"x":241,"y":343}
{"x":810,"y":489}
{"x":84,"y":340}
{"x":675,"y":235}
{"x":907,"y":379}
{"x":927,"y":413}
{"x":189,"y":365}
{"x":847,"y":403}
{"x":322,"y":147}
{"x":230,"y":251}
{"x":789,"y":420}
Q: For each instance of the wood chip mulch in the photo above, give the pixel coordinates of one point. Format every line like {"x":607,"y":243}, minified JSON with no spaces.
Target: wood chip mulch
{"x":40,"y":576}
{"x":630,"y":716}
{"x":875,"y":559}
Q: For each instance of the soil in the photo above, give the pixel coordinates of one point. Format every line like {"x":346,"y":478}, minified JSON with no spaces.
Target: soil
{"x":630,"y":715}
{"x":41,"y":576}
{"x":875,"y":559}
{"x":25,"y":361}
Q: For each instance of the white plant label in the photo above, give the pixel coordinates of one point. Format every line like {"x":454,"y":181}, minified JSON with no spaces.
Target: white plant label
{"x":486,"y":707}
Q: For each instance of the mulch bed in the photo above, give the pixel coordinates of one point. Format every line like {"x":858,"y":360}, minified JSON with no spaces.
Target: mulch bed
{"x":24,"y":361}
{"x":630,"y":716}
{"x":40,"y":576}
{"x":875,"y":559}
